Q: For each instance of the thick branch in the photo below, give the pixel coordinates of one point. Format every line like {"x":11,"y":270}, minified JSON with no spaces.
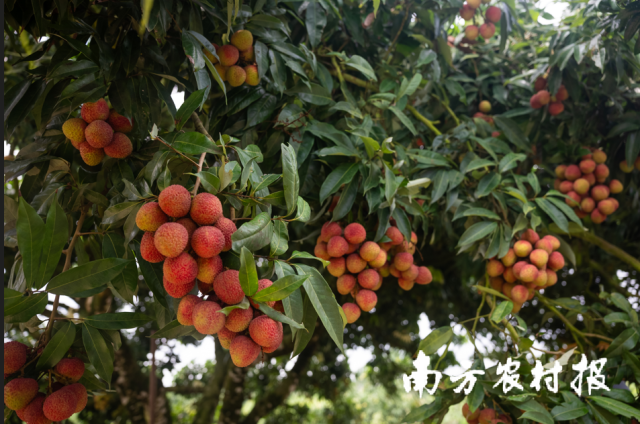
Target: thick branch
{"x":208,"y":403}
{"x":234,"y":395}
{"x":423,"y":119}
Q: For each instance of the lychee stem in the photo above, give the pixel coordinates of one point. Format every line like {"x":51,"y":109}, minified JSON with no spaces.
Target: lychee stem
{"x":200,"y":127}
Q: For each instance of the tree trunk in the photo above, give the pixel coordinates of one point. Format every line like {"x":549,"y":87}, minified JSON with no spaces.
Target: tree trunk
{"x":233,"y":396}
{"x":206,"y":406}
{"x":132,"y":388}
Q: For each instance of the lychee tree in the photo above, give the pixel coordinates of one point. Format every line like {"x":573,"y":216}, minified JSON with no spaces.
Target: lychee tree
{"x":323,"y":153}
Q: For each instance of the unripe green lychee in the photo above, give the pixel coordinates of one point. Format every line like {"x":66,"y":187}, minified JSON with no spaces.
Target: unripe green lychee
{"x":329,"y":229}
{"x":171,"y":239}
{"x":337,"y":266}
{"x":243,"y":351}
{"x":180,"y":270}
{"x":175,"y":201}
{"x":98,"y":111}
{"x":177,"y":291}
{"x":337,"y":246}
{"x":345,"y":283}
{"x":185,"y":309}
{"x":510,"y":258}
{"x":119,"y":123}
{"x":320,"y":251}
{"x":206,"y":209}
{"x":226,"y":336}
{"x":150,"y":217}
{"x":265,"y":331}
{"x":207,"y":241}
{"x":73,"y":129}
{"x":539,"y":258}
{"x":403,"y":261}
{"x":90,"y":155}
{"x":369,"y":278}
{"x":227,"y":287}
{"x":72,"y":368}
{"x":424,"y":276}
{"x":120,"y":146}
{"x":379,"y":261}
{"x":19,"y":392}
{"x":208,"y":269}
{"x":252,"y":75}
{"x":227,"y":227}
{"x":98,"y":134}
{"x":366,"y":300}
{"x":351,"y":311}
{"x":242,"y":39}
{"x":369,"y":251}
{"x":236,"y":76}
{"x":494,"y":268}
{"x":207,"y":318}
{"x":395,"y":235}
{"x":228,"y":55}
{"x":15,"y":356}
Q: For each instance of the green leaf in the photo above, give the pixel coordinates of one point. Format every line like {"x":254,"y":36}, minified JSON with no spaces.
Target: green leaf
{"x":57,"y":346}
{"x":487,"y":184}
{"x":280,"y":289}
{"x":290,"y":178}
{"x":402,"y":222}
{"x":189,"y":106}
{"x":152,"y":274}
{"x":244,"y":304}
{"x":410,"y":87}
{"x":305,"y":255}
{"x":90,"y":382}
{"x":25,"y":308}
{"x":625,"y":341}
{"x":422,"y":413}
{"x":404,"y":119}
{"x":616,"y":407}
{"x":11,"y":297}
{"x":554,"y":213}
{"x":478,"y":163}
{"x":360,"y":64}
{"x":435,"y":340}
{"x":347,"y":199}
{"x":486,"y":213}
{"x":277,"y":316}
{"x":535,"y":412}
{"x":173,"y":330}
{"x":254,"y":234}
{"x":303,"y":211}
{"x":118,"y":212}
{"x":88,"y":276}
{"x":55,"y":237}
{"x":339,"y":176}
{"x":315,"y":21}
{"x":502,"y":310}
{"x":477,"y":231}
{"x":324,"y":302}
{"x":313,"y":94}
{"x":512,"y":131}
{"x":118,"y":320}
{"x":632,"y":147}
{"x":510,"y":161}
{"x":30,"y":228}
{"x":568,"y":211}
{"x":305,"y":310}
{"x":279,"y":238}
{"x":98,"y":352}
{"x":633,"y":362}
{"x":248,"y":273}
{"x":476,"y":397}
{"x":194,"y":143}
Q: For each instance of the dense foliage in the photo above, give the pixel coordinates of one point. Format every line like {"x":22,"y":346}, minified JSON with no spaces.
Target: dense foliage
{"x":364,"y":113}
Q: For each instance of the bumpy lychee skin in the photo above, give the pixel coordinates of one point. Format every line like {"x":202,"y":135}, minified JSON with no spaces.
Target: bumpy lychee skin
{"x":581,"y":186}
{"x":518,"y":267}
{"x":119,"y":123}
{"x":242,"y":39}
{"x":355,"y":263}
{"x":510,"y":258}
{"x":210,"y":56}
{"x":602,"y":172}
{"x":32,"y":413}
{"x":227,"y":287}
{"x":180,"y":270}
{"x":552,"y":278}
{"x":177,"y":291}
{"x":337,"y":266}
{"x":90,"y":155}
{"x":539,"y":258}
{"x":530,"y":236}
{"x":369,"y":251}
{"x":355,"y":233}
{"x":528,"y":273}
{"x":380,"y":260}
{"x":238,"y":320}
{"x":369,"y":278}
{"x":337,"y":246}
{"x":366,"y":299}
{"x":405,"y":285}
{"x":150,"y":217}
{"x":207,"y":241}
{"x":519,"y":293}
{"x":243,"y":351}
{"x":556,"y":261}
{"x":207,"y":318}
{"x":206,"y":209}
{"x":226,"y":336}
{"x":60,"y":405}
{"x":209,"y":268}
{"x":73,"y":129}
{"x":424,"y":276}
{"x":522,"y":248}
{"x":185,"y":309}
{"x":228,"y":55}
{"x":403,"y":261}
{"x":265,"y":331}
{"x":597,"y":217}
{"x":487,"y":30}
{"x":15,"y":356}
{"x":320,"y":251}
{"x":80,"y":393}
{"x":98,"y":134}
{"x":148,"y":249}
{"x":555,"y":243}
{"x":560,"y":171}
{"x":251,"y":71}
{"x":98,"y":111}
{"x":188,"y":225}
{"x":544,"y":244}
{"x":175,"y":201}
{"x":171,"y":239}
{"x":572,"y":172}
{"x":495,"y":268}
{"x":541,"y":279}
{"x":587,"y":205}
{"x":346,"y":283}
{"x":509,"y":275}
{"x":329,"y":229}
{"x":236,"y":76}
{"x":351,"y":311}
{"x":565,"y":187}
{"x":600,"y":192}
{"x":411,"y":274}
{"x":227,"y":227}
{"x":72,"y":368}
{"x":19,"y":392}
{"x":395,"y":235}
{"x":263,"y":284}
{"x":120,"y":146}
{"x":587,"y":166}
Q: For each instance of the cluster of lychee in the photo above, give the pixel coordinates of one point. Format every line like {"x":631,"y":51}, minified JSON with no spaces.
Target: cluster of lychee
{"x":361,"y":265}
{"x":99,"y":131}
{"x":530,"y":265}
{"x":586,"y":188}
{"x":64,"y":395}
{"x":542,"y":97}
{"x":240,"y":49}
{"x":491,"y":17}
{"x":190,"y":248}
{"x":627,"y":169}
{"x":484,"y":108}
{"x":484,"y":416}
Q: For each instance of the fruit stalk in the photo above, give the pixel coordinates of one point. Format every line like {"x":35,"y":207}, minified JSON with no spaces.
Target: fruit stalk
{"x":200,"y":127}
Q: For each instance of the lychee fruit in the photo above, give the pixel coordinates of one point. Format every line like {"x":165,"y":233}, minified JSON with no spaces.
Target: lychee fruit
{"x":207,"y":241}
{"x":530,"y":236}
{"x":185,"y":309}
{"x":236,"y":76}
{"x":493,"y":14}
{"x":495,"y":268}
{"x":528,"y":273}
{"x":556,"y":261}
{"x":471,"y":32}
{"x":552,"y":277}
{"x":238,"y":320}
{"x":60,"y":405}
{"x":587,"y":204}
{"x":510,"y":258}
{"x":345,"y":283}
{"x":177,"y":291}
{"x":556,"y":108}
{"x":227,"y":227}
{"x":405,"y":285}
{"x":573,"y":199}
{"x":555,"y":243}
{"x":228,"y":55}
{"x":337,"y":246}
{"x":222,"y":71}
{"x":248,"y":55}
{"x":98,"y":134}
{"x":370,"y":250}
{"x":72,"y":368}
{"x":366,"y":299}
{"x":252,"y":75}
{"x":355,"y":233}
{"x":15,"y":356}
{"x":572,"y":173}
{"x":601,"y":172}
{"x":587,"y":166}
{"x":484,"y":106}
{"x":243,"y":351}
{"x":519,"y":293}
{"x":424,"y":276}
{"x":600,"y":192}
{"x":541,"y":279}
{"x":522,"y":248}
{"x":539,"y":258}
{"x":227,"y":287}
{"x":320,"y":251}
{"x":355,"y":263}
{"x":207,"y":318}
{"x":509,"y":275}
{"x":606,"y":207}
{"x":210,"y":55}
{"x":242,"y":39}
{"x":180,"y":270}
{"x":565,"y":187}
{"x":384,"y":270}
{"x":411,"y":274}
{"x":615,"y":186}
{"x":368,"y":278}
{"x":599,"y":156}
{"x":90,"y":155}
{"x":119,"y":123}
{"x":98,"y":111}
{"x":562,"y":94}
{"x":545,"y":245}
{"x":496,"y":283}
{"x":395,"y":235}
{"x":120,"y":146}
{"x":560,"y":171}
{"x":171,"y":239}
{"x":394,"y":271}
{"x":209,"y":268}
{"x":19,"y":392}
{"x":206,"y":209}
{"x":265,"y":331}
{"x":351,"y":311}
{"x":226,"y":336}
{"x":581,"y":186}
{"x":379,"y":261}
{"x":175,"y":201}
{"x":506,"y":289}
{"x":32,"y":413}
{"x":80,"y":393}
{"x":263,"y":284}
{"x":403,"y":261}
{"x":73,"y":129}
{"x":329,"y":229}
{"x":467,"y":12}
{"x":150,"y":217}
{"x":336,"y":266}
{"x":148,"y":249}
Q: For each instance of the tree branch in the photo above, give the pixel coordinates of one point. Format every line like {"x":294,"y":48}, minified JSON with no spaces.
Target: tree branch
{"x":208,"y":403}
{"x":395,"y":39}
